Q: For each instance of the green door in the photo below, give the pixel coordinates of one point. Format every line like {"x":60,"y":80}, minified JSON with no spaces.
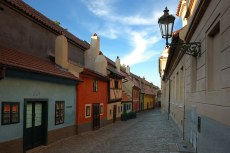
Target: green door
{"x":35,"y":127}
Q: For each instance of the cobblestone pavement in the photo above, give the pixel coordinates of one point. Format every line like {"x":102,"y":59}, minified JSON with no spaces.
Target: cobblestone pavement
{"x":150,"y":132}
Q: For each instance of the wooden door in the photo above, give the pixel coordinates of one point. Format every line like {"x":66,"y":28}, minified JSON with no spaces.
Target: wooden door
{"x":114,"y":113}
{"x":35,"y":128}
{"x":125,"y":108}
{"x":96,"y":116}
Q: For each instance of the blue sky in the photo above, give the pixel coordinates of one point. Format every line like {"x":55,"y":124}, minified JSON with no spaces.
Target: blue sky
{"x":127,"y":28}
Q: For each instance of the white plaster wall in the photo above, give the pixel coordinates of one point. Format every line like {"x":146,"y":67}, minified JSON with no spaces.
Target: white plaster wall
{"x":110,"y":110}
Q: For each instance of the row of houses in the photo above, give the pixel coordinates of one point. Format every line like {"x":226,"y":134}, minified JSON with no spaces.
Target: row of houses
{"x":54,"y":85}
{"x":195,"y":90}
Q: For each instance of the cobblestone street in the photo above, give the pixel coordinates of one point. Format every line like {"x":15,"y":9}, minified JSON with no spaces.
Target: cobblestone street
{"x":150,"y":132}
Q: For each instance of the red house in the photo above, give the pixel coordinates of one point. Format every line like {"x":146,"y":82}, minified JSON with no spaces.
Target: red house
{"x":92,"y":101}
{"x":136,"y":93}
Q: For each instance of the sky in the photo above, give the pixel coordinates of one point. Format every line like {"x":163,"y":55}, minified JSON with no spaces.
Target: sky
{"x":127,"y":28}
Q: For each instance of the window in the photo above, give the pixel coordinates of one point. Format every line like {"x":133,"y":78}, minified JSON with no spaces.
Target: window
{"x":101,"y":109}
{"x":10,"y":113}
{"x":214,"y":66}
{"x":119,"y":109}
{"x":116,"y":84}
{"x":95,"y":87}
{"x":87,"y":110}
{"x":110,"y":112}
{"x":59,"y":112}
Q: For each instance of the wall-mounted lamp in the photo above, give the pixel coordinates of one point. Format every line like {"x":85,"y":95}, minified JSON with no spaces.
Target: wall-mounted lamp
{"x":166,"y":23}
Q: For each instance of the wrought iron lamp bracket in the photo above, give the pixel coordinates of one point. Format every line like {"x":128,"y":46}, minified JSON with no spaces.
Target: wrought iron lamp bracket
{"x":193,"y":48}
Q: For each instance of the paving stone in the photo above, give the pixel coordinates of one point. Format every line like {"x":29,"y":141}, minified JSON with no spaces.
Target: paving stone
{"x":150,"y":132}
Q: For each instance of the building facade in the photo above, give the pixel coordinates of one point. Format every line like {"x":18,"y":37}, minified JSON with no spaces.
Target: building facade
{"x":36,"y":68}
{"x":162,"y":64}
{"x":136,"y":91}
{"x":92,"y":101}
{"x":149,"y":95}
{"x":197,"y":87}
{"x":39,"y":112}
{"x":126,"y":103}
{"x":115,"y":92}
{"x":93,"y":90}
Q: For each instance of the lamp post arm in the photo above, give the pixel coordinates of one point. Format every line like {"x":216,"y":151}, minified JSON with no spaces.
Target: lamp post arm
{"x":193,"y":48}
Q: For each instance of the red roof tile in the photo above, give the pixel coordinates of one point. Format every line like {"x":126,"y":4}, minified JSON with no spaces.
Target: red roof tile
{"x":125,"y":97}
{"x":178,"y":8}
{"x":25,"y":8}
{"x":110,"y":62}
{"x":28,"y":62}
{"x":149,"y":90}
{"x":95,"y":74}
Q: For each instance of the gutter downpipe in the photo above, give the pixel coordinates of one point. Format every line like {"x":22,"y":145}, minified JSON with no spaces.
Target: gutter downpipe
{"x":184,"y":107}
{"x":169,"y":99}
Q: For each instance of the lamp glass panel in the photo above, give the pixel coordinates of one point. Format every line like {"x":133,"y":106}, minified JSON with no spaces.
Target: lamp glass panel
{"x":169,"y":29}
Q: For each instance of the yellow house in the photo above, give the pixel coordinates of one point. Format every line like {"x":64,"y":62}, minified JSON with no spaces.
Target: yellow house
{"x":149,"y":96}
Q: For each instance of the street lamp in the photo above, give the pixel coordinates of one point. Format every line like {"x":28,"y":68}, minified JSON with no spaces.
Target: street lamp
{"x":166,"y":23}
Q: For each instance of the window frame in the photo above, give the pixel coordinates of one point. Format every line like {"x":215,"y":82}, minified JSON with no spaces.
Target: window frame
{"x":95,"y":85}
{"x":101,"y":108}
{"x":116,"y":84}
{"x":119,"y":109}
{"x":57,"y":118}
{"x":86,"y":114}
{"x":10,"y":113}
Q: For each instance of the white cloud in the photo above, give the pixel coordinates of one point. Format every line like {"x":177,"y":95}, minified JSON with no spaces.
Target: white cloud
{"x":141,"y":51}
{"x":99,"y":7}
{"x":109,"y":31}
{"x":117,"y":25}
{"x":104,"y":9}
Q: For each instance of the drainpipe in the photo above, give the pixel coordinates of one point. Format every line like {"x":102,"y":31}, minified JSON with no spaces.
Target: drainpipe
{"x":184,"y":108}
{"x":169,"y":99}
{"x":184,"y":124}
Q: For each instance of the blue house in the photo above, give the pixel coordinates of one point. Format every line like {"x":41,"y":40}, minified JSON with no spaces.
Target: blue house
{"x":34,"y":109}
{"x":37,"y":80}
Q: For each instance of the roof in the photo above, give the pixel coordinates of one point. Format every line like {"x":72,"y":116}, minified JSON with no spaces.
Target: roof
{"x":136,"y":83}
{"x":95,"y":74}
{"x":112,"y":68}
{"x":149,"y":90}
{"x":114,"y":72}
{"x":178,"y":8}
{"x":25,"y":8}
{"x":125,"y":97}
{"x":124,"y":74}
{"x":175,"y":39}
{"x":29,"y":62}
{"x":135,"y":80}
{"x":110,"y":62}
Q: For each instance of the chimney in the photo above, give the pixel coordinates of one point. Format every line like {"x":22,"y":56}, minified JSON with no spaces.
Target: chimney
{"x":118,"y":64}
{"x":95,"y":44}
{"x":61,"y":51}
{"x":128,"y":70}
{"x":92,"y":52}
{"x":101,"y":64}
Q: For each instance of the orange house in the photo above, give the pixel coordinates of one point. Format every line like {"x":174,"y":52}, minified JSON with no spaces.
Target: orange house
{"x":92,"y":101}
